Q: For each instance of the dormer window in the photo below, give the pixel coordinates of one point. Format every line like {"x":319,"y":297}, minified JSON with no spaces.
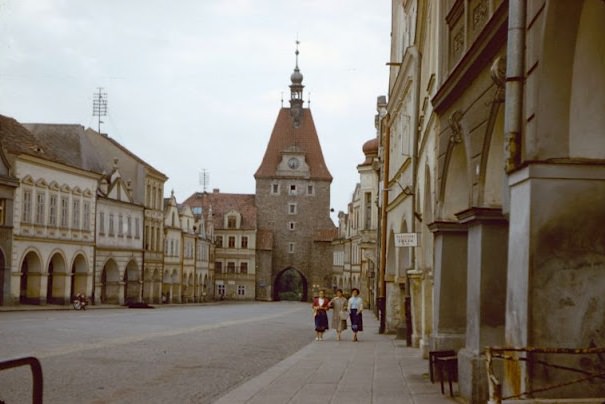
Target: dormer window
{"x":231,"y":222}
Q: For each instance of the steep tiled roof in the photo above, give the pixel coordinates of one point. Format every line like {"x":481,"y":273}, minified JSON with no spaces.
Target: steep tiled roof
{"x":326,"y":234}
{"x":68,"y":142}
{"x":222,"y":203}
{"x":286,"y":136}
{"x":16,"y":139}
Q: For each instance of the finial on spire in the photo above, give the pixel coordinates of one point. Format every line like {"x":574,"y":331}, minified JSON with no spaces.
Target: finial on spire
{"x":297,"y":52}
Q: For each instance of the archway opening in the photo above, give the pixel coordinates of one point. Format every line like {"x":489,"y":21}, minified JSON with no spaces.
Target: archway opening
{"x":79,"y":276}
{"x":29,"y":292}
{"x":110,"y":283}
{"x":56,"y":280}
{"x":131,"y":283}
{"x":290,"y":284}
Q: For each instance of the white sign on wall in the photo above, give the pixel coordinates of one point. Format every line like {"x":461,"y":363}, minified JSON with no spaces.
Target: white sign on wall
{"x":406,"y":240}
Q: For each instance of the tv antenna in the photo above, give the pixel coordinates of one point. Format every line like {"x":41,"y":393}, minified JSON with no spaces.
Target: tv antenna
{"x":204,"y":179}
{"x":99,"y":106}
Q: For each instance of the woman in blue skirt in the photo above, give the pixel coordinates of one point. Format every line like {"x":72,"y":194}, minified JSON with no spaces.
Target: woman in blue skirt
{"x":321,"y":304}
{"x":355,"y":308}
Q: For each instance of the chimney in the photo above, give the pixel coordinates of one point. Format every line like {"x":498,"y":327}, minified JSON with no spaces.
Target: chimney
{"x":216,"y":190}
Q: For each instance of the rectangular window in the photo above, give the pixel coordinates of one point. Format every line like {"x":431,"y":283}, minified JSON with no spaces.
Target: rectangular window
{"x":368,"y":210}
{"x":219,"y":241}
{"x":241,"y":290}
{"x":40,"y":207}
{"x":275,"y":189}
{"x":231,"y":241}
{"x":137,"y":227}
{"x":244,"y":241}
{"x":101,"y":222}
{"x":64,"y":212}
{"x":86,"y":219}
{"x":291,"y":225}
{"x":52,"y":210}
{"x":2,"y":211}
{"x":111,"y":228}
{"x":310,"y":190}
{"x":120,"y":225}
{"x":243,"y":268}
{"x":230,"y":267}
{"x":291,"y":208}
{"x":218,"y":267}
{"x":292,"y":190}
{"x":27,"y":207}
{"x":129,"y":226}
{"x":291,"y":248}
{"x":220,"y":290}
{"x":76,"y":214}
{"x":231,"y":222}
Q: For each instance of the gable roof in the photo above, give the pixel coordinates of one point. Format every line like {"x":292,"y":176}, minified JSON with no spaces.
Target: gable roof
{"x":16,"y":139}
{"x":287,"y":137}
{"x":222,"y":203}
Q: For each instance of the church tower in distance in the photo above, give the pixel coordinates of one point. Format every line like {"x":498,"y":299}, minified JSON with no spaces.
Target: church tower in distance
{"x":294,"y":229}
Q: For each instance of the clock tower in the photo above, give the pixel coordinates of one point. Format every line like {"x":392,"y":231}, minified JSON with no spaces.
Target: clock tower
{"x":294,"y":229}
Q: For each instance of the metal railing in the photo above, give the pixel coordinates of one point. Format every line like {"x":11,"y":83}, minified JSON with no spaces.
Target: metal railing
{"x":514,"y":354}
{"x":36,"y":369}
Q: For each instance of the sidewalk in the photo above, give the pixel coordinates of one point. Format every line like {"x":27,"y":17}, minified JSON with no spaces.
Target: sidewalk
{"x":378,"y":369}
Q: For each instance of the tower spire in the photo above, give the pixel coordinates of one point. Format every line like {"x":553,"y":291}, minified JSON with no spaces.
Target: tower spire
{"x":296,"y":91}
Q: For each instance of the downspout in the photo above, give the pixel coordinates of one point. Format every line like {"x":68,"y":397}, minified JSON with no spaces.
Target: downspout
{"x":383,"y":230}
{"x":515,"y":77}
{"x":415,"y":132}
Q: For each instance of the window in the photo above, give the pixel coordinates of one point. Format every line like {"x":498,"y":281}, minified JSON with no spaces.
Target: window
{"x":40,"y":205}
{"x":231,"y":267}
{"x":64,"y":211}
{"x":368,"y":209}
{"x":137,"y":227}
{"x":275,"y":189}
{"x":290,"y":248}
{"x":76,"y":214}
{"x":218,"y":267}
{"x":231,"y":241}
{"x":101,"y":222}
{"x":291,"y":208}
{"x":220,"y":290}
{"x":292,"y":190}
{"x":244,"y":241}
{"x":52,"y":210}
{"x":86,"y":219}
{"x":243,"y":268}
{"x":219,"y":241}
{"x":120,"y":225}
{"x":2,"y":211}
{"x":111,"y":229}
{"x":292,"y":225}
{"x":231,"y":222}
{"x":241,"y":290}
{"x":27,"y":207}
{"x":129,"y":226}
{"x":310,"y":189}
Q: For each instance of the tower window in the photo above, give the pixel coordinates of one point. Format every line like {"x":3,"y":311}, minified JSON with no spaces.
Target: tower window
{"x":292,"y":190}
{"x":275,"y":189}
{"x":292,"y":208}
{"x":292,"y":225}
{"x":291,"y":248}
{"x":310,"y":189}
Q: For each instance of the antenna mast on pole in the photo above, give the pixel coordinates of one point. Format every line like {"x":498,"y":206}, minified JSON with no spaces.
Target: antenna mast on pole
{"x":204,"y":179}
{"x":99,"y":106}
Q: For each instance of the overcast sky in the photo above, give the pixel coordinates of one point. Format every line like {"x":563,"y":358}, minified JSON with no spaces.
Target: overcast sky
{"x":197,"y":84}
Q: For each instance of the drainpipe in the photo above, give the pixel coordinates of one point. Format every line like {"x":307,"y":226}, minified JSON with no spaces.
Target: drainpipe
{"x":381,"y":301}
{"x":514,"y":85}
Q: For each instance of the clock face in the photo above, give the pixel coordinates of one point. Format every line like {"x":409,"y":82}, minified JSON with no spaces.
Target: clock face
{"x":293,"y":163}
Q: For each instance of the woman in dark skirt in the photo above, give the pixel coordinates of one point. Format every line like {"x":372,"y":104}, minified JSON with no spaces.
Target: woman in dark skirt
{"x":355,"y":308}
{"x":321,"y":304}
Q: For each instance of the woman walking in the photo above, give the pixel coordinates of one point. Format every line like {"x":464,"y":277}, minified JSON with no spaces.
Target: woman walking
{"x":355,"y":309}
{"x":340,"y":314}
{"x":321,"y":304}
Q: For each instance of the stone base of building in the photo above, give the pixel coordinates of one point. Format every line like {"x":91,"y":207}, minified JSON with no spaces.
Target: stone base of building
{"x":472,"y":377}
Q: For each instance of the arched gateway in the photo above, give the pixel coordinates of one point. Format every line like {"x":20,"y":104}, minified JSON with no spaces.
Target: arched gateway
{"x":290,"y":284}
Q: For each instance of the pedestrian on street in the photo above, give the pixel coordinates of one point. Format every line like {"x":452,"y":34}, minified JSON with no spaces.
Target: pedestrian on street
{"x":340,"y":314}
{"x":321,"y":304}
{"x":355,"y":309}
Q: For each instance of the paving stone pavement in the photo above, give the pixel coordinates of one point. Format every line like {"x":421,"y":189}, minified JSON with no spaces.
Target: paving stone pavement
{"x":378,"y":369}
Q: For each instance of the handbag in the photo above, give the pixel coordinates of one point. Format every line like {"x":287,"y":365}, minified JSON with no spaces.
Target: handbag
{"x":343,"y":315}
